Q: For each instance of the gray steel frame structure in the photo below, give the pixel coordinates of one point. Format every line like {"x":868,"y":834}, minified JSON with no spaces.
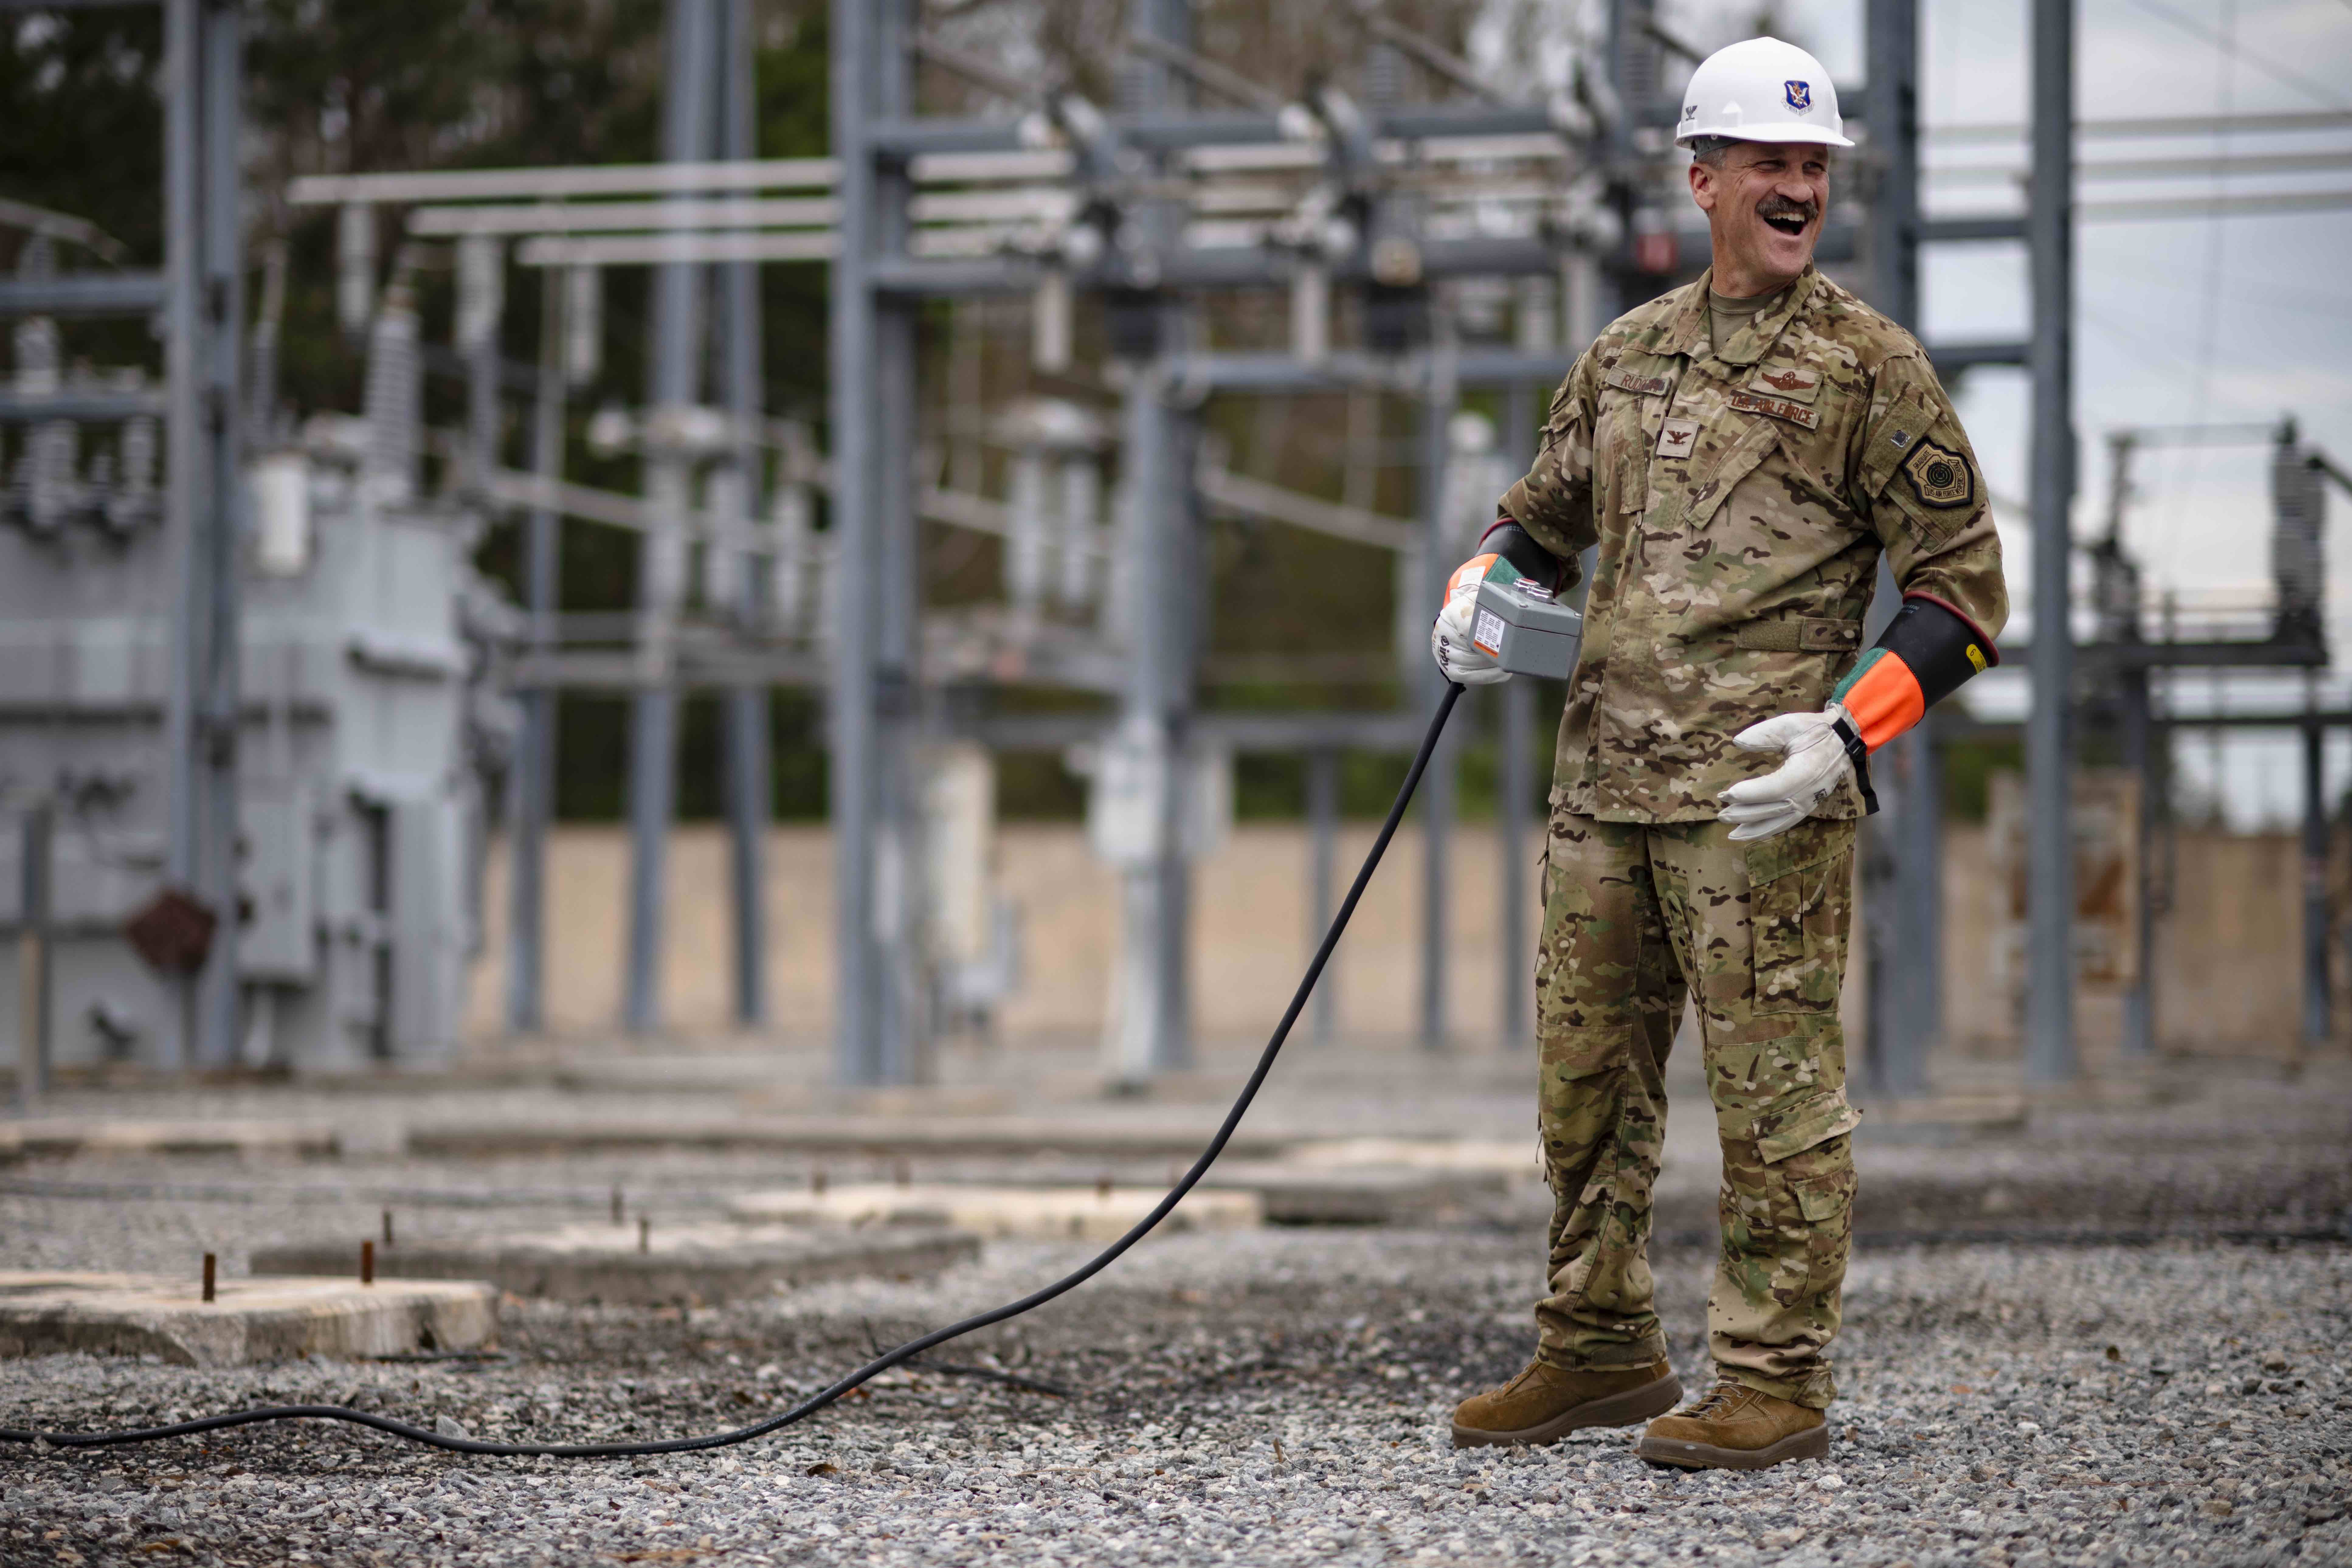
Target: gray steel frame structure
{"x":200,"y":292}
{"x":877,"y":286}
{"x":709,"y":110}
{"x":874,"y":710}
{"x":875,"y":132}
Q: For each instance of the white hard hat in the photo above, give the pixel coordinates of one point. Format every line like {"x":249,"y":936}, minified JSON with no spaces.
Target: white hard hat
{"x":1761,"y":90}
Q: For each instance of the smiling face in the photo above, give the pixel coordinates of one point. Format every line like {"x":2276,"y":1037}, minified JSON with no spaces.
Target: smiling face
{"x":1764,"y":203}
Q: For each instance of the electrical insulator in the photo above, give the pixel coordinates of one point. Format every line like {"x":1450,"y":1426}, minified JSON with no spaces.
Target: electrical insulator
{"x":723,"y":541}
{"x":1024,"y":554}
{"x":790,"y":561}
{"x":49,"y":447}
{"x":610,"y":430}
{"x":663,"y":583}
{"x":583,"y":324}
{"x":52,"y":452}
{"x":354,"y":266}
{"x":1050,"y":323}
{"x":393,"y":400}
{"x":1310,"y":311}
{"x":2298,"y":534}
{"x":1535,"y":321}
{"x":1082,"y":539}
{"x":134,"y":502}
{"x":279,"y":485}
{"x":481,"y":291}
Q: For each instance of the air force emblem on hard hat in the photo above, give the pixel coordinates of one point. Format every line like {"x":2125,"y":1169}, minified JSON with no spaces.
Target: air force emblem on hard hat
{"x":1801,"y":96}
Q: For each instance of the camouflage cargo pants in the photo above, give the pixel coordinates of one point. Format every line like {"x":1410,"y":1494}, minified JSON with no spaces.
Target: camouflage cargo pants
{"x":1636,"y":918}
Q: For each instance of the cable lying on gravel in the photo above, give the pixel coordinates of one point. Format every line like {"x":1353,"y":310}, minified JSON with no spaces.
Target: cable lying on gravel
{"x":1986,"y":1424}
{"x":457,"y":1441}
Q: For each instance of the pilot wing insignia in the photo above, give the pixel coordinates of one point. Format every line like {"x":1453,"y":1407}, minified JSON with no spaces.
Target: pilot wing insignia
{"x":1791,"y":382}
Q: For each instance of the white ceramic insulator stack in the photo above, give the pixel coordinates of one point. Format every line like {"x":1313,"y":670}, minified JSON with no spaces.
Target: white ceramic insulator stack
{"x":1081,"y":531}
{"x":394,"y":399}
{"x":583,"y":324}
{"x":1025,"y":552}
{"x":791,"y":560}
{"x":355,"y":266}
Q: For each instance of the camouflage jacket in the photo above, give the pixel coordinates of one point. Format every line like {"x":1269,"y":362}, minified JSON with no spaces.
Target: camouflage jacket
{"x":1741,"y":496}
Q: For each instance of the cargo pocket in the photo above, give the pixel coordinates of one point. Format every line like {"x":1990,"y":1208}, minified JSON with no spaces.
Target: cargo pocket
{"x":1825,"y":1198}
{"x":1780,"y":1135}
{"x":1798,"y":899}
{"x":1825,"y":1220}
{"x":1810,"y":1156}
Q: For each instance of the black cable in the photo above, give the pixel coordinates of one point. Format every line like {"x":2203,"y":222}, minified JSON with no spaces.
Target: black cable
{"x":884,"y":1363}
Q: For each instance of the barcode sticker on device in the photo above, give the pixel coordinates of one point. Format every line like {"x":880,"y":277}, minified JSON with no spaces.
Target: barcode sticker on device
{"x":1487,"y":635}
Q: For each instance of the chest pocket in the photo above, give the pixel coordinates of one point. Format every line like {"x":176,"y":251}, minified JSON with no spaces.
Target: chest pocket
{"x":1617,"y":473}
{"x":1721,"y":464}
{"x":1632,"y":401}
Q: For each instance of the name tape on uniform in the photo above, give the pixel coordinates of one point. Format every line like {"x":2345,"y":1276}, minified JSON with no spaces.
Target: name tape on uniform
{"x":1626,"y":381}
{"x":1778,"y":407}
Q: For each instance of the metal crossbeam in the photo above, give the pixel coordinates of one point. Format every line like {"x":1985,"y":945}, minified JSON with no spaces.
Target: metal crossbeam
{"x":571,"y":181}
{"x":606,"y":217}
{"x":83,"y":294}
{"x":32,"y":407}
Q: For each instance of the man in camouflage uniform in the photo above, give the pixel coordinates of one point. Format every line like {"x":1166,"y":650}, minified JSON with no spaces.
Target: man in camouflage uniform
{"x":1742,"y":451}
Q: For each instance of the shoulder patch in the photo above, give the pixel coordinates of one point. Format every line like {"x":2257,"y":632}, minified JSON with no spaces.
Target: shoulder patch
{"x":1940,"y":477}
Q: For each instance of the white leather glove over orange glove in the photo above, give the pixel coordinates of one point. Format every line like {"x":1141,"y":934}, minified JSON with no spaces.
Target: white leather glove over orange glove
{"x":1819,"y":749}
{"x":1450,"y":639}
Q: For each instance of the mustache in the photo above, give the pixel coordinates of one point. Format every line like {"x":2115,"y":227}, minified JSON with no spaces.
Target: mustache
{"x":1777,"y":206}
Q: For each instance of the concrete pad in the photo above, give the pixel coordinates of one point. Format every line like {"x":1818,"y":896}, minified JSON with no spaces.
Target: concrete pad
{"x":911,"y":1100}
{"x":696,"y":1264}
{"x":53,"y":1138}
{"x":1101,"y":1136}
{"x":52,"y":1312}
{"x":1509,"y":1158}
{"x":1378,"y":1195}
{"x":1043,"y":1214}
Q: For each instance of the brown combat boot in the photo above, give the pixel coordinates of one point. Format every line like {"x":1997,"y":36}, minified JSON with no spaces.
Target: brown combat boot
{"x":1545,"y":1403}
{"x":1736,"y":1427}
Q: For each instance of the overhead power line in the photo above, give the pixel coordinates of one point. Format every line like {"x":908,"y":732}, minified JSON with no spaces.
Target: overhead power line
{"x":2158,"y":168}
{"x":2216,"y":206}
{"x":2166,"y":125}
{"x":2230,"y":46}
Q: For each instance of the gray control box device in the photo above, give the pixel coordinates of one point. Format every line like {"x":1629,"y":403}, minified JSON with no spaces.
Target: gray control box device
{"x":1527,"y":630}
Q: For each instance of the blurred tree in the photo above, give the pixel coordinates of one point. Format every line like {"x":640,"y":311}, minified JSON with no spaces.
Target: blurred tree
{"x":84,"y":135}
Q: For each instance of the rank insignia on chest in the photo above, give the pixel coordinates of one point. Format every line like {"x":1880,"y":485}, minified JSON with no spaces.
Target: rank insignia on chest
{"x":1791,"y":382}
{"x":1677,"y":437}
{"x":1939,"y":475}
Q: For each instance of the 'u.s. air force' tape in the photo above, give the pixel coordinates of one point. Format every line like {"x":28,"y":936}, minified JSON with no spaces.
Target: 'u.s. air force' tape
{"x":1526,"y":628}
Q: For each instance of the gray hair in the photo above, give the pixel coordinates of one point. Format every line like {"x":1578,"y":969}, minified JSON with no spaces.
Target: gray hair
{"x":1709,"y":149}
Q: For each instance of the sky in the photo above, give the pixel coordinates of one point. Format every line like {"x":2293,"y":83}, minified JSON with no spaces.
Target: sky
{"x":2189,"y":318}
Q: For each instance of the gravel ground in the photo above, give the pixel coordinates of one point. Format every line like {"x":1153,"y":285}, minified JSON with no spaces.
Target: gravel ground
{"x":1269,"y":1397}
{"x":1274,"y":1398}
